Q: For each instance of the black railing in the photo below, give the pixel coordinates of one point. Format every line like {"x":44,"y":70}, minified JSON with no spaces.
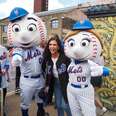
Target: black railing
{"x":101,"y":10}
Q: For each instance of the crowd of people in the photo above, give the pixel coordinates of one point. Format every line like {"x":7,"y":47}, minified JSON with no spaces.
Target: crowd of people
{"x":4,"y":72}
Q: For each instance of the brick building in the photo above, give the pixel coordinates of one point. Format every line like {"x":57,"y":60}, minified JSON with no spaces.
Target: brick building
{"x":55,"y":20}
{"x":40,"y":5}
{"x":3,"y":31}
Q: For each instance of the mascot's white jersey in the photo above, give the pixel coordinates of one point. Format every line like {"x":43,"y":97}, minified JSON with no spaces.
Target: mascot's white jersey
{"x":79,"y":73}
{"x":31,"y":61}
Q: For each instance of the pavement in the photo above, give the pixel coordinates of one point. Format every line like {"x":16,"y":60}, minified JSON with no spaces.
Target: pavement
{"x":13,"y":108}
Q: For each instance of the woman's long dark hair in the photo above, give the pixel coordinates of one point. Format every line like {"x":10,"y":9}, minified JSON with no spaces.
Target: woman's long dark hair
{"x":47,"y":54}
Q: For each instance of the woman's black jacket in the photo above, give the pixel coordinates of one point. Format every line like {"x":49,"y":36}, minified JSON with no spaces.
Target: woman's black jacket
{"x":62,"y":65}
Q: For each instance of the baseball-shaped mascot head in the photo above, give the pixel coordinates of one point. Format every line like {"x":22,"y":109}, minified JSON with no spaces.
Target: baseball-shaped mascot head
{"x":82,"y":43}
{"x":25,"y":30}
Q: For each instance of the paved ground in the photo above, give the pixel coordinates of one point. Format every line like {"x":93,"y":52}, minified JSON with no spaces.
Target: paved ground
{"x":11,"y":85}
{"x":13,"y":109}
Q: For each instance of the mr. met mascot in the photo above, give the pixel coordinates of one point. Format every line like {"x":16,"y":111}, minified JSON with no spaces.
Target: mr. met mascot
{"x":82,"y":44}
{"x":25,"y":33}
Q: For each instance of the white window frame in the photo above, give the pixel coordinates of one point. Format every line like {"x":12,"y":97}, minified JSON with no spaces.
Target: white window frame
{"x":54,"y":23}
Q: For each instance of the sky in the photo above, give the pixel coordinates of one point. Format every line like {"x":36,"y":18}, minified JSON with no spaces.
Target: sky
{"x":55,"y":4}
{"x":7,"y":5}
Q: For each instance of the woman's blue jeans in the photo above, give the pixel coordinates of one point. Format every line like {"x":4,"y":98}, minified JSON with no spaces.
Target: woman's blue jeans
{"x":59,"y":100}
{"x":0,"y":81}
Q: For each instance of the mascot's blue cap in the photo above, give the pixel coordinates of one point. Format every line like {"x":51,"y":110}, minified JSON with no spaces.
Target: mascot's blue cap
{"x":84,"y":25}
{"x":17,"y":13}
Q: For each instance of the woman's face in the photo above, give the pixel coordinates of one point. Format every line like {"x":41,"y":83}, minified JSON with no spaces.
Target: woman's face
{"x":53,"y":47}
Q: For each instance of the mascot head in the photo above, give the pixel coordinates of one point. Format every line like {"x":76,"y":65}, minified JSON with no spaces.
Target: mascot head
{"x":25,"y":30}
{"x":82,"y":43}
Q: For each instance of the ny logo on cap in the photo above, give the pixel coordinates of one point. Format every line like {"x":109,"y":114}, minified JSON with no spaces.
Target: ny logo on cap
{"x":16,"y":12}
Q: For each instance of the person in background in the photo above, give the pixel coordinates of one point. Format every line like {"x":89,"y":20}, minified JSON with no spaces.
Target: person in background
{"x":17,"y":81}
{"x":97,"y":83}
{"x":4,"y":72}
{"x":99,"y":103}
{"x":0,"y":75}
{"x":55,"y":65}
{"x":18,"y":73}
{"x":43,"y":44}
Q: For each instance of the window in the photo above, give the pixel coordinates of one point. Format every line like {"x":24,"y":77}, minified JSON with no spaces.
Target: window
{"x":4,"y":40}
{"x":54,"y":23}
{"x":5,"y":28}
{"x":44,"y":22}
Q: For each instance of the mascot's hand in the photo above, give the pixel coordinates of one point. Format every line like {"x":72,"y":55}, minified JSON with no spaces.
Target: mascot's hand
{"x":99,"y":71}
{"x":96,"y":71}
{"x":16,"y":60}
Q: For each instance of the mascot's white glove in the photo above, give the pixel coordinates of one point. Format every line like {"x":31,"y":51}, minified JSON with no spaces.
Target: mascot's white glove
{"x":16,"y":60}
{"x":17,"y":57}
{"x":96,"y":71}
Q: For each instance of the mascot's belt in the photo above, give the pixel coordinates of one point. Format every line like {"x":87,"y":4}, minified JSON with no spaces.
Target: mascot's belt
{"x":79,"y":86}
{"x":33,"y":77}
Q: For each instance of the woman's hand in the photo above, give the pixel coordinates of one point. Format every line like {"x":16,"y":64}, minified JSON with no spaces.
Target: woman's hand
{"x":46,"y":89}
{"x":3,"y":71}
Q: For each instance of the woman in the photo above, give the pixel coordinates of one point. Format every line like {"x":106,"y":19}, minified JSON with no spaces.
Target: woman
{"x":17,"y":81}
{"x":4,"y":72}
{"x":55,"y":64}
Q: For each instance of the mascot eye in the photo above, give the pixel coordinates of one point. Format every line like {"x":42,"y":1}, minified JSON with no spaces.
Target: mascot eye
{"x":16,"y":28}
{"x":71,"y":42}
{"x":32,"y":27}
{"x":85,"y":42}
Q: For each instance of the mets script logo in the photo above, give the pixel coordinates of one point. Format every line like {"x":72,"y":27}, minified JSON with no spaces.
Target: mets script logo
{"x":72,"y":69}
{"x":32,"y":54}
